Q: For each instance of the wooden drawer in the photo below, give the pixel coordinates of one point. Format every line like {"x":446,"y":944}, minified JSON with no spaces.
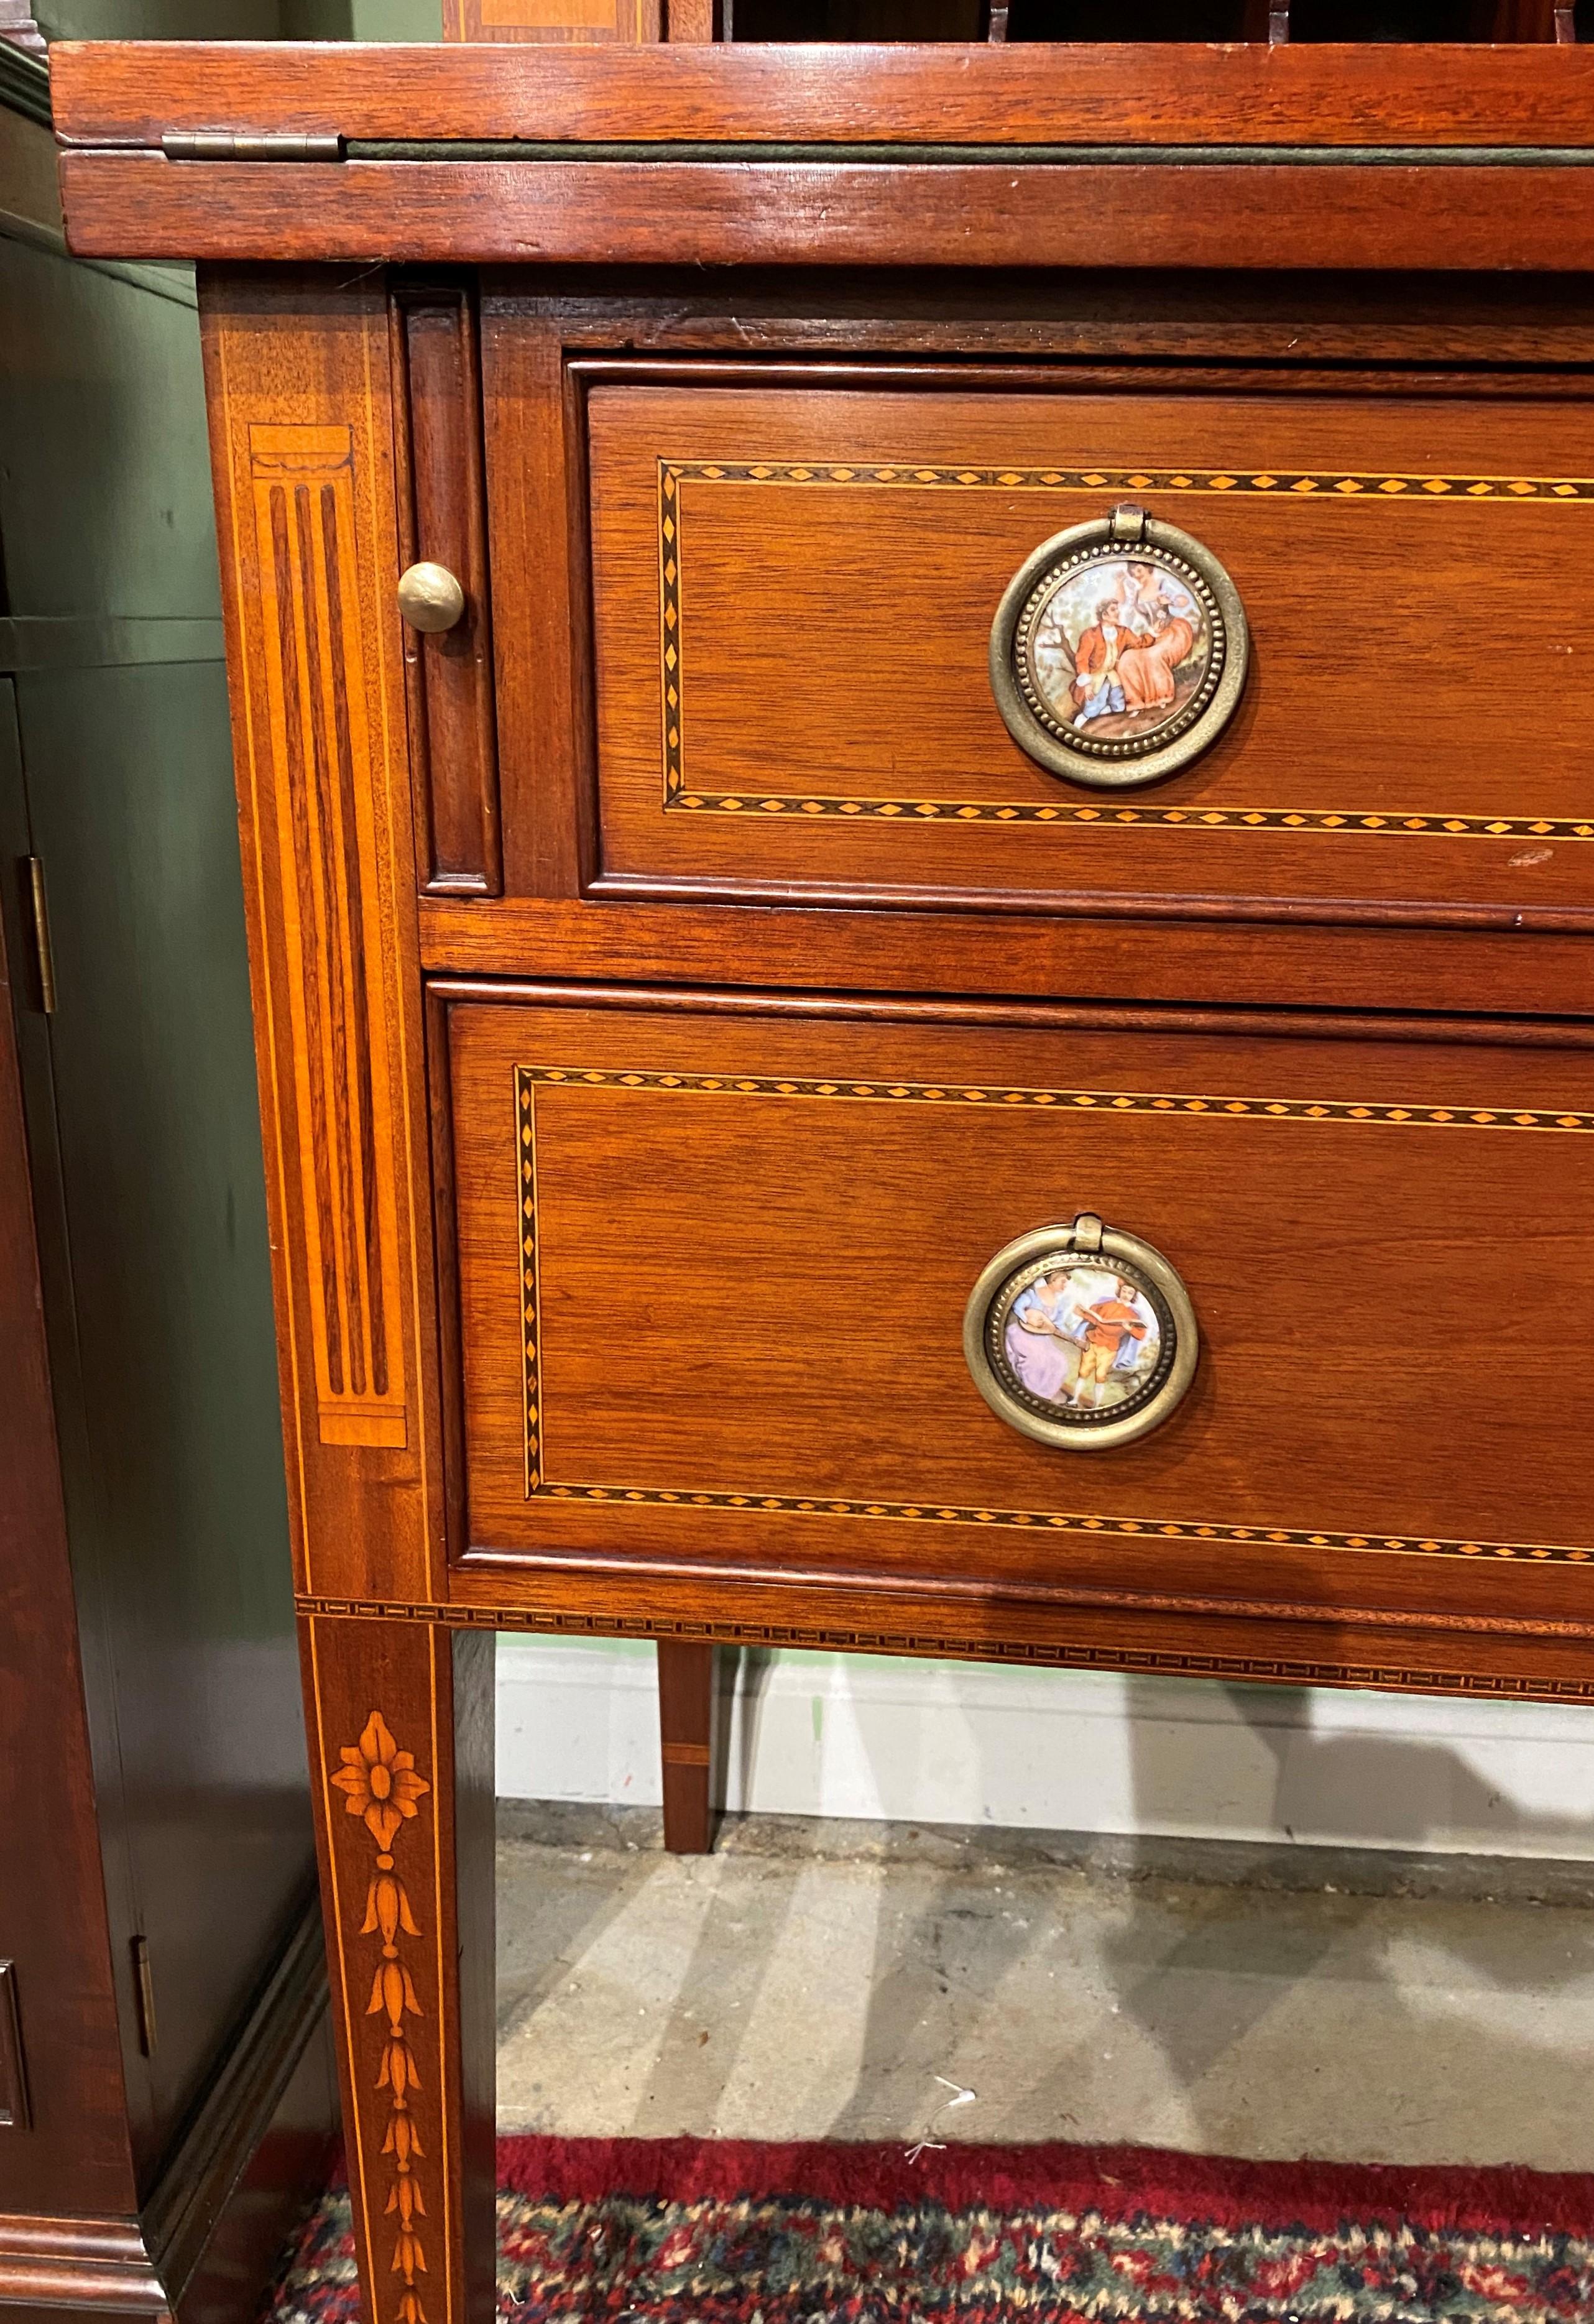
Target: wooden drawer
{"x":713,"y":1260}
{"x":793,"y":593}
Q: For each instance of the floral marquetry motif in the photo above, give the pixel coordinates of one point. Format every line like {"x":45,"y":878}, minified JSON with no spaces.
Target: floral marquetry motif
{"x":379,"y":1782}
{"x":382,"y":1786}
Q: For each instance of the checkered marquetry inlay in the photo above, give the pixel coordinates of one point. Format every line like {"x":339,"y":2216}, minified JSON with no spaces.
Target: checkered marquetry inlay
{"x":804,"y":1089}
{"x":753,"y":804}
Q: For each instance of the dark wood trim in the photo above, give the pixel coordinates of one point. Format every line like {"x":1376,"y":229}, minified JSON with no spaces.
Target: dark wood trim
{"x":192,"y":2190}
{"x":129,"y":92}
{"x":442,"y":515}
{"x":1493,"y":371}
{"x":54,"y":1923}
{"x":1356,"y":334}
{"x":812,"y":212}
{"x":1127,"y":960}
{"x":687,"y":1702}
{"x":536,"y":500}
{"x":1322,"y":911}
{"x":66,"y":2263}
{"x":583,"y":769}
{"x":876,"y":1009}
{"x":451,"y":1330}
{"x":24,"y":77}
{"x":144,"y":2265}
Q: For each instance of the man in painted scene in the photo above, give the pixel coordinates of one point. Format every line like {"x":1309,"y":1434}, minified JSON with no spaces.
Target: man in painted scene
{"x":1114,"y":1328}
{"x":1095,"y":663}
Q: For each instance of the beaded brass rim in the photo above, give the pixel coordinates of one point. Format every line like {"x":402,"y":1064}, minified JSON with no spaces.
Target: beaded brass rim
{"x":1081,"y":1336}
{"x":1118,"y":651}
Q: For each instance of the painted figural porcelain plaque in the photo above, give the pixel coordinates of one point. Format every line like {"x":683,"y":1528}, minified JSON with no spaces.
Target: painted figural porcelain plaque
{"x":1081,"y":1339}
{"x":1119,"y":650}
{"x":1081,"y":1336}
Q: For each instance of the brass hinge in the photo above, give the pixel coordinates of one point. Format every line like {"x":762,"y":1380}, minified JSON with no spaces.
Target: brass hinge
{"x":222,"y":145}
{"x":37,"y":908}
{"x":143,"y":1993}
{"x":14,"y":2113}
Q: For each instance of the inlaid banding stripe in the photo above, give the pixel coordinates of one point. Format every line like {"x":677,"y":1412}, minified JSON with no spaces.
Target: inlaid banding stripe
{"x":577,"y":1080}
{"x":1377,"y":488}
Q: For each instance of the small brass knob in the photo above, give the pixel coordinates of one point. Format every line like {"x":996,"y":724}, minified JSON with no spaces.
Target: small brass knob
{"x":429,"y":597}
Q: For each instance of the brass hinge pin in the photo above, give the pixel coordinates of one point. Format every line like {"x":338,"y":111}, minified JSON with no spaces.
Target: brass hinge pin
{"x":223,"y":145}
{"x":143,"y":1988}
{"x":38,"y":909}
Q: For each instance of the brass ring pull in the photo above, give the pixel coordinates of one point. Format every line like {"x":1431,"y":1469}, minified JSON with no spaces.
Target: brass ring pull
{"x":1082,"y":1336}
{"x":430,"y":598}
{"x":1119,"y":650}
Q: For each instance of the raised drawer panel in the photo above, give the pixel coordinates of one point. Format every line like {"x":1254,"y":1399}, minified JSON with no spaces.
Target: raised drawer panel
{"x":713,"y":1267}
{"x":794,"y":590}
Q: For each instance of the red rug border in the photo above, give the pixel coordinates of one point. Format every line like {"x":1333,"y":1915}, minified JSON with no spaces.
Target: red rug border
{"x":1118,"y":2182}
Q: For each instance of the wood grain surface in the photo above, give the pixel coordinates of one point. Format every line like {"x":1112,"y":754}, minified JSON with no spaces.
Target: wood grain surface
{"x":818,"y":211}
{"x":631,"y":1302}
{"x":1215,"y":957}
{"x":1467,"y":337}
{"x":129,"y":93}
{"x":399,"y":1718}
{"x":712,"y":1272}
{"x":442,"y":520}
{"x":66,"y":2148}
{"x":302,"y":438}
{"x":686,"y":1744}
{"x":1258,"y":1643}
{"x":604,"y":21}
{"x":536,"y":465}
{"x":797,"y":589}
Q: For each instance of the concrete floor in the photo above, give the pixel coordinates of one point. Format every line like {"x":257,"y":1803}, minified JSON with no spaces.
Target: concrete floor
{"x":825,"y":1981}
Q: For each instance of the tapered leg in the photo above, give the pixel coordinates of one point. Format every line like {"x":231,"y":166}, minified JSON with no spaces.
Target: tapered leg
{"x":685,"y":1732}
{"x":400,"y":1721}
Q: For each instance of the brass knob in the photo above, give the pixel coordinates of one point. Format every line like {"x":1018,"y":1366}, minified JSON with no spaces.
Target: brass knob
{"x":429,"y":597}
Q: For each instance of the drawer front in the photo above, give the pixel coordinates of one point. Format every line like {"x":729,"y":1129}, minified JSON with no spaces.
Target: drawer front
{"x":793,"y":599}
{"x":714,"y":1263}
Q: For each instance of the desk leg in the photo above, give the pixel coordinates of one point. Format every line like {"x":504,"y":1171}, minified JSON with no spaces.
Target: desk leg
{"x":400,"y":1720}
{"x":686,"y":1737}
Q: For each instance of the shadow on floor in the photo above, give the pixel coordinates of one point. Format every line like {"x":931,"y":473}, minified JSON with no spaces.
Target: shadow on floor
{"x":782,"y":1990}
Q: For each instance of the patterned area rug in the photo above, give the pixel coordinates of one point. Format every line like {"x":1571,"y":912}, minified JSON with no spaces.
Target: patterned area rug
{"x":688,"y":2231}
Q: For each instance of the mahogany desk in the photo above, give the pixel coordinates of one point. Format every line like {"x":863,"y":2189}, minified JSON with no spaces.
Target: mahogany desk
{"x":677,"y":978}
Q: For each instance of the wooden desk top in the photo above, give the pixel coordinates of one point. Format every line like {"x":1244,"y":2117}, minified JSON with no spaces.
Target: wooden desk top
{"x":1456,"y":159}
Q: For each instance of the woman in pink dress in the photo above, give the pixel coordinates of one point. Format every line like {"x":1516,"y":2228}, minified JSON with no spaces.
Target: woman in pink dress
{"x":1043,"y":1338}
{"x":1146,"y":672}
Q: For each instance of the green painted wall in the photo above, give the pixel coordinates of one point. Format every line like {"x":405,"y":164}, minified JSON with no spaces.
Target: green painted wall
{"x":104,"y":476}
{"x":361,"y":20}
{"x":242,"y":20}
{"x":160,"y":19}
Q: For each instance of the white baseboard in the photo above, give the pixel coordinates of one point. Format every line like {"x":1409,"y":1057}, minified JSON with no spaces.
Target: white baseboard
{"x":859,"y":1735}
